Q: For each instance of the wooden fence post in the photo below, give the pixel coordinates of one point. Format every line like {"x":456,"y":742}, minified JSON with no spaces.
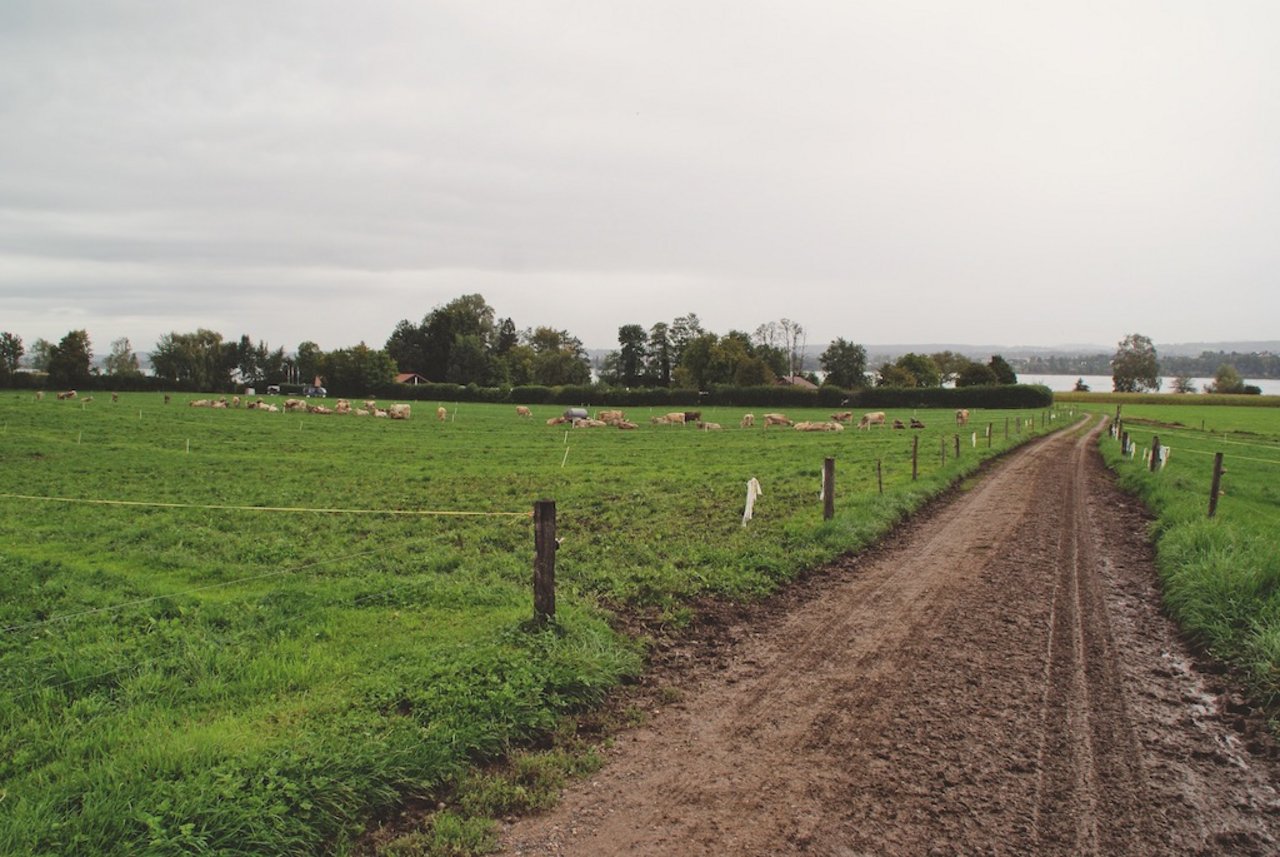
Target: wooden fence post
{"x":544,"y":561}
{"x":1216,"y":487}
{"x":1155,"y":453}
{"x":1124,"y":444}
{"x":942,"y":448}
{"x":915,"y":457}
{"x":957,"y":446}
{"x":879,"y":476}
{"x":991,"y":429}
{"x":828,"y":489}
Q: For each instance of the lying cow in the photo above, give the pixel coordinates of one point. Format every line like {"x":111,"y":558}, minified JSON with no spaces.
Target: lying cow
{"x":818,"y":426}
{"x":843,"y":417}
{"x":899,"y":424}
{"x":708,"y":426}
{"x":777,"y":420}
{"x":875,"y":418}
{"x":610,"y":416}
{"x":69,"y":394}
{"x":916,"y":424}
{"x":399,"y":412}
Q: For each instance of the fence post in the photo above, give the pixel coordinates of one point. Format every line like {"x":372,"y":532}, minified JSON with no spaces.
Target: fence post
{"x":957,"y":446}
{"x":828,"y":489}
{"x":879,"y":476}
{"x":942,"y":450}
{"x":544,"y":561}
{"x":991,"y":429}
{"x":915,"y":456}
{"x":1155,"y":453}
{"x":1216,"y":487}
{"x":1124,"y":444}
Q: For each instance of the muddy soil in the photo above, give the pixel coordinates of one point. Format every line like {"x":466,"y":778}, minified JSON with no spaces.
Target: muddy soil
{"x":997,"y":679}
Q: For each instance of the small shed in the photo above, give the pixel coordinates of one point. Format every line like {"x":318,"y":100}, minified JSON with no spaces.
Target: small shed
{"x":411,"y":378}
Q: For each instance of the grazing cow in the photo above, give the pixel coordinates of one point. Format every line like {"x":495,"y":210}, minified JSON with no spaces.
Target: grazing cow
{"x":899,"y":424}
{"x":39,"y":395}
{"x":843,"y":417}
{"x":875,"y":418}
{"x":692,"y":416}
{"x":556,"y":421}
{"x":676,"y":418}
{"x":777,"y":420}
{"x":522,"y":411}
{"x":962,"y":417}
{"x":748,"y":420}
{"x":915,"y":423}
{"x":399,"y":412}
{"x":69,"y":394}
{"x":809,"y":426}
{"x":709,"y":426}
{"x":441,"y":413}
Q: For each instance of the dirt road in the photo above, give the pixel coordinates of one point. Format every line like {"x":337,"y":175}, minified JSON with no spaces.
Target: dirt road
{"x":998,"y":679}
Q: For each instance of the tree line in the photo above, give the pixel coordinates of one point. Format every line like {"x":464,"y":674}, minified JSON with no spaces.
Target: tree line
{"x":464,"y":342}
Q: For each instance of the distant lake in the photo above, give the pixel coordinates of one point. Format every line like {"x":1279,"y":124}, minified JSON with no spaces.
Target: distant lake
{"x":1102,"y":383}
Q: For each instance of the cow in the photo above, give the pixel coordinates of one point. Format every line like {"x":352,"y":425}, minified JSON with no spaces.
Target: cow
{"x":522,"y":411}
{"x":675,"y":418}
{"x":441,"y":413}
{"x":295,"y":405}
{"x":115,"y":397}
{"x":556,"y":421}
{"x":398,"y":412}
{"x":916,"y":424}
{"x":777,"y":420}
{"x":342,"y":407}
{"x":370,"y":405}
{"x":962,"y":417}
{"x":659,"y":420}
{"x":626,"y":425}
{"x":69,"y":394}
{"x":589,"y":423}
{"x":708,"y":426}
{"x":199,"y":403}
{"x":811,"y":426}
{"x":748,"y":420}
{"x":166,"y":398}
{"x":39,"y":395}
{"x":235,"y":401}
{"x":692,"y":416}
{"x":899,"y":424}
{"x":843,"y":417}
{"x":874,"y":418}
{"x":610,"y":416}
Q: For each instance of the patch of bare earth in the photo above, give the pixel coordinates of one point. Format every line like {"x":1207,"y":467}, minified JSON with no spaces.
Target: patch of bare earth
{"x":998,"y":679}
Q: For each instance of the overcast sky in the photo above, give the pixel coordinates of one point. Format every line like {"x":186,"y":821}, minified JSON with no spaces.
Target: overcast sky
{"x":1012,"y":173}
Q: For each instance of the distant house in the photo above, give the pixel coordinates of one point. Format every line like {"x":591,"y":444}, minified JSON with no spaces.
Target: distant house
{"x":411,"y":378}
{"x":797,"y":381}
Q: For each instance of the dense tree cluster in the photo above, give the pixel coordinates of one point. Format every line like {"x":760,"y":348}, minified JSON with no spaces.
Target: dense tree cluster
{"x":1134,"y":367}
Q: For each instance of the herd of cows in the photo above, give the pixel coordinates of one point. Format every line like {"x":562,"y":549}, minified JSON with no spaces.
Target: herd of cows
{"x":576,"y":417}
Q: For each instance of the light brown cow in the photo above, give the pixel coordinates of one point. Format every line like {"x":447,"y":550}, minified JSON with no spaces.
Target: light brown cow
{"x":342,"y":407}
{"x":295,"y":405}
{"x":748,"y":420}
{"x":610,"y":416}
{"x":399,"y":412}
{"x":962,"y":417}
{"x":441,"y":413}
{"x":39,"y":395}
{"x":777,"y":420}
{"x":875,"y":418}
{"x":626,"y":425}
{"x":819,"y":426}
{"x":709,"y":426}
{"x":589,"y":423}
{"x":199,"y":403}
{"x":843,"y":417}
{"x":69,"y":394}
{"x":522,"y":411}
{"x":676,"y":418}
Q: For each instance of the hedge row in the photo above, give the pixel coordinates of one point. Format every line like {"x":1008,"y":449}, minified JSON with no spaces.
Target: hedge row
{"x":1007,"y":396}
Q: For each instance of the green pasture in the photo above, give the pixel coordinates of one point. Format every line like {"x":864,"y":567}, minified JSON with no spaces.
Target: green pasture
{"x":238,"y":632}
{"x":1221,"y":576}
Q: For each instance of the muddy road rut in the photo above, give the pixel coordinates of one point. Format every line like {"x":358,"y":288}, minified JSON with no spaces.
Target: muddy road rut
{"x":997,"y":679}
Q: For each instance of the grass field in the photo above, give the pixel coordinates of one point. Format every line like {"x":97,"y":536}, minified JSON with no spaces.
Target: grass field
{"x":1221,"y":577}
{"x":260,"y":656}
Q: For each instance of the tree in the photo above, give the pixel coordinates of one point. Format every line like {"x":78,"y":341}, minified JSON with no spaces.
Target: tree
{"x":949,"y":364}
{"x":1134,"y":368}
{"x":661,"y":355}
{"x":921,"y":369}
{"x":558,"y":358}
{"x":631,"y":356}
{"x":406,"y":346}
{"x":122,"y":362}
{"x":695,"y":361}
{"x":196,"y":360}
{"x":793,"y":340}
{"x":975,"y":374}
{"x":10,"y":354}
{"x":684,"y":330}
{"x":41,"y":350}
{"x":307,"y":361}
{"x":1227,"y":380}
{"x":358,"y":371}
{"x":468,"y":315}
{"x":893,"y":375}
{"x":1184,"y":384}
{"x":1081,"y":386}
{"x":845,"y":364}
{"x":70,"y":359}
{"x":470,"y":362}
{"x":1003,"y":371}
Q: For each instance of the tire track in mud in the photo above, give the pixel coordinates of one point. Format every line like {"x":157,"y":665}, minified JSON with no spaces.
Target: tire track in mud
{"x":996,"y":680}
